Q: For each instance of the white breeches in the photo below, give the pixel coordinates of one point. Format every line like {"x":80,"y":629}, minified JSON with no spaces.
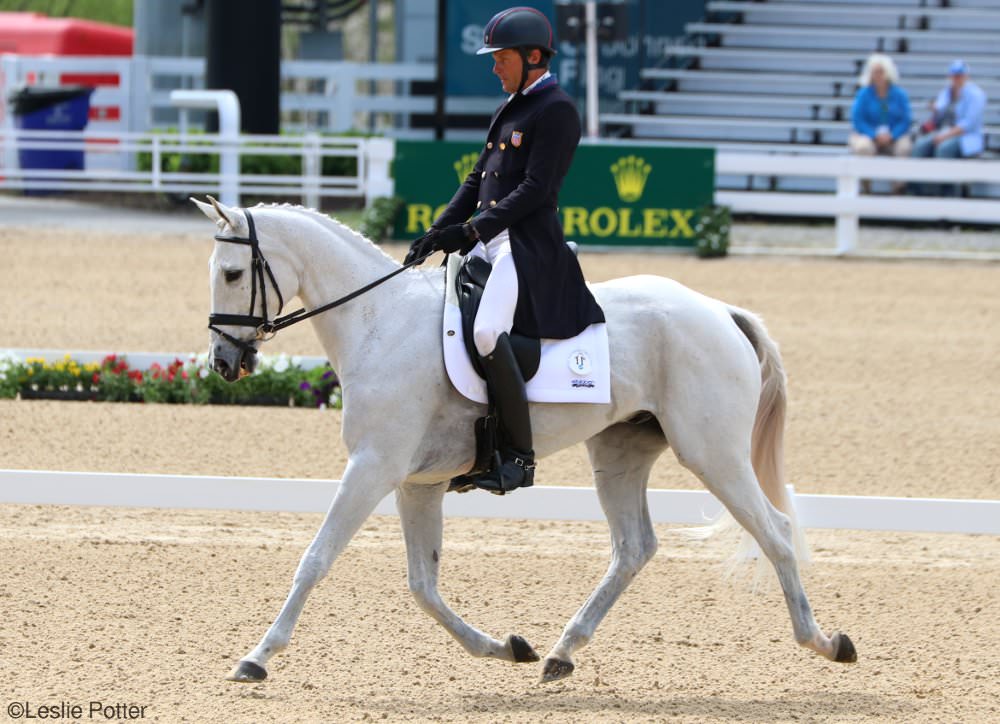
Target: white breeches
{"x":496,"y":311}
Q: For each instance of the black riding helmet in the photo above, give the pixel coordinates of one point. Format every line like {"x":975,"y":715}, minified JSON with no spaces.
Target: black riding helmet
{"x":522,"y":29}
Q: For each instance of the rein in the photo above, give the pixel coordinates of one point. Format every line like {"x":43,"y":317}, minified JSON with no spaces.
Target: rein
{"x":265,"y":328}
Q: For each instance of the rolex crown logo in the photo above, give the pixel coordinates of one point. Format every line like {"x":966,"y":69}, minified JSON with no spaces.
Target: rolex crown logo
{"x":464,"y":165}
{"x":630,"y":174}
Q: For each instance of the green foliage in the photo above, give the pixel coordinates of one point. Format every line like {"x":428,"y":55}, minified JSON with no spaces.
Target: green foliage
{"x":116,"y":12}
{"x":285,"y":164}
{"x":712,"y":231}
{"x":378,"y":219}
{"x":10,"y":371}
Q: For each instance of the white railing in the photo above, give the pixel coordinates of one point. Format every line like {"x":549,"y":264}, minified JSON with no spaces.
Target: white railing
{"x":846,"y":205}
{"x":371,"y":157}
{"x":323,"y":95}
{"x":542,"y":502}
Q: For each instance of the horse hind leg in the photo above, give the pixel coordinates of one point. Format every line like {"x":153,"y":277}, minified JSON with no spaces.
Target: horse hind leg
{"x":730,"y":477}
{"x":621,"y":457}
{"x":421,"y":517}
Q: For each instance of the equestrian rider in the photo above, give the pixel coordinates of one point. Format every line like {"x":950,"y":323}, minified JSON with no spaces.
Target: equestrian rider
{"x":536,"y":286}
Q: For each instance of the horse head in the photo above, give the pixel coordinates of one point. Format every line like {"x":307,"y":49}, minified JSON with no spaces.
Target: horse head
{"x":250,"y":276}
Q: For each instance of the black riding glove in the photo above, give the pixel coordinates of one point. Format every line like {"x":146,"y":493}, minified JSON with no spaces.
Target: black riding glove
{"x":457,"y":237}
{"x":422,"y":247}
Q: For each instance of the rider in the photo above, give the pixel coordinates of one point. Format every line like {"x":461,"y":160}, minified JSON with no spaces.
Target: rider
{"x":536,"y":286}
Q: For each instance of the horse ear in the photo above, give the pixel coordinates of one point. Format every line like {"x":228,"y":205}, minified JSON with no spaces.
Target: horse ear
{"x":221,"y":211}
{"x":207,"y":209}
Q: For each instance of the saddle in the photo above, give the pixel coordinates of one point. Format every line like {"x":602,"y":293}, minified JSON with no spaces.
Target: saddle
{"x":469,"y":284}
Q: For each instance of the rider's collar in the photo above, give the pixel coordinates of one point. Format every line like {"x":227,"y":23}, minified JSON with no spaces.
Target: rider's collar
{"x":544,"y":81}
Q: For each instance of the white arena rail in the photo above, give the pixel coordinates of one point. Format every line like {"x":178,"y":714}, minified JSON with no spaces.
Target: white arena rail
{"x":847,"y":206}
{"x":39,"y":487}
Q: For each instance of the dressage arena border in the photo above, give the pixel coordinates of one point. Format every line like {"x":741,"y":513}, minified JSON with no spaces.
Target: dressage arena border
{"x":40,"y":487}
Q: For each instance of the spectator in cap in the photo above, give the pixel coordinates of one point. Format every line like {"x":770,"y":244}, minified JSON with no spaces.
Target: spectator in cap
{"x":955,"y":128}
{"x":880,"y":115}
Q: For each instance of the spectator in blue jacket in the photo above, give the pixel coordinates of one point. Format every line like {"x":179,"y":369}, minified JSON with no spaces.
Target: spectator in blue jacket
{"x":880,"y":116}
{"x":955,"y":128}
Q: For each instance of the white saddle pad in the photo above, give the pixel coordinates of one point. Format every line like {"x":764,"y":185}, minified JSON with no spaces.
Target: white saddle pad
{"x":571,"y":370}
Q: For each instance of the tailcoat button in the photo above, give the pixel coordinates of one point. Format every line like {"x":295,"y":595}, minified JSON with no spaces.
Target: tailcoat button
{"x":503,"y":146}
{"x":489,"y":145}
{"x":493,"y":203}
{"x":484,"y":175}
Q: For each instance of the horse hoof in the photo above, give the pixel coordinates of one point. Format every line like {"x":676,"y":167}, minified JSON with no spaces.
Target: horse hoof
{"x":555,"y":669}
{"x":523,"y":652}
{"x":845,"y":652}
{"x":247,"y":672}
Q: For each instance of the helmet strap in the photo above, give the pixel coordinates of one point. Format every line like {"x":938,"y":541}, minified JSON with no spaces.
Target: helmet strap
{"x":527,"y":66}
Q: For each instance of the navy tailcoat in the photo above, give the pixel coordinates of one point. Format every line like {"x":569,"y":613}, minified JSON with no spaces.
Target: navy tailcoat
{"x":515,"y":185}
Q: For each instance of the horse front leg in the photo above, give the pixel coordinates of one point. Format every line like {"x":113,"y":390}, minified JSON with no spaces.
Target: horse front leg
{"x":420,"y":513}
{"x":363,"y":486}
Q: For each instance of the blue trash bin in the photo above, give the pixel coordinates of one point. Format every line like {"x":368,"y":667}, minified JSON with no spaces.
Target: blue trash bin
{"x":51,"y":109}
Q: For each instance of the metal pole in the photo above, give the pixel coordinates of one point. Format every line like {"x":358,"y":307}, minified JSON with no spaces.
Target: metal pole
{"x":442,"y":29}
{"x":590,"y":20}
{"x":372,"y":54}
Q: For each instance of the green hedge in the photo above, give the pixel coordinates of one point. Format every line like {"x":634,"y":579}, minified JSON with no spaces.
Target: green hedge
{"x":250,"y":163}
{"x":277,"y":381}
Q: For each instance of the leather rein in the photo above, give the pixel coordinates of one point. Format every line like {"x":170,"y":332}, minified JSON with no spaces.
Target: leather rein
{"x":266,"y":328}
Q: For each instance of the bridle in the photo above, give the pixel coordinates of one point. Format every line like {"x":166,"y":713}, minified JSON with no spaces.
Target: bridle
{"x":265,"y":328}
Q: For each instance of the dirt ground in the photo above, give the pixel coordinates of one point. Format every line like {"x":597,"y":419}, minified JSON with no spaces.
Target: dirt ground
{"x":894,"y":386}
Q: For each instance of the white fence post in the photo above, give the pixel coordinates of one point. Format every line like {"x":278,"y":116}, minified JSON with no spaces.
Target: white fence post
{"x":228,"y":106}
{"x":312,"y":168}
{"x":157,"y":153}
{"x":847,"y":221}
{"x":8,"y":68}
{"x":378,"y":153}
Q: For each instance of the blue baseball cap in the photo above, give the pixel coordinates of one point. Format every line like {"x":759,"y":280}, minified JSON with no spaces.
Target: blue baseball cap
{"x":958,"y":67}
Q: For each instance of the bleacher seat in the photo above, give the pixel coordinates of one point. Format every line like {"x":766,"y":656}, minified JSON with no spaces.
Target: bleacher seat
{"x":780,"y":75}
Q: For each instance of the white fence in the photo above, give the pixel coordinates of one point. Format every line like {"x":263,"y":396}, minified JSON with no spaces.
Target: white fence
{"x":846,"y":205}
{"x":318,"y":94}
{"x":691,"y":507}
{"x":371,"y":158}
{"x":327,"y":94}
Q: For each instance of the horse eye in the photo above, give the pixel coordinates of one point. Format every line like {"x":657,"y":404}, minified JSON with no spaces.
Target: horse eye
{"x":233,"y":275}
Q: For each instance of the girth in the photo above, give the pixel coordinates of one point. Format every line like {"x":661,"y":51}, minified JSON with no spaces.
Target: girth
{"x":469,"y":284}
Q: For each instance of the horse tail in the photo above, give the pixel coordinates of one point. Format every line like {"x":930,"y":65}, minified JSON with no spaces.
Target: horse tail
{"x":767,"y":444}
{"x":766,"y":448}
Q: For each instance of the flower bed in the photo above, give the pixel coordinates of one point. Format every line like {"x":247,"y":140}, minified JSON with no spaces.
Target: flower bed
{"x":278,"y":380}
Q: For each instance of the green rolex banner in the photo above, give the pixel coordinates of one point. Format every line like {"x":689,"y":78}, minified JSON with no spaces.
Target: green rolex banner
{"x":613,"y":194}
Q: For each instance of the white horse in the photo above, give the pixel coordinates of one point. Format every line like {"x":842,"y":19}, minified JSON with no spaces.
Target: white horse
{"x":688,"y":372}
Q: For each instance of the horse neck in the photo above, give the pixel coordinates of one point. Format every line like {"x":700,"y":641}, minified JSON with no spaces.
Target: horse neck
{"x":334,"y":261}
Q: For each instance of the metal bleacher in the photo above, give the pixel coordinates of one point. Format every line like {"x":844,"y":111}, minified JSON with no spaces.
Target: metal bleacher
{"x":779,"y":76}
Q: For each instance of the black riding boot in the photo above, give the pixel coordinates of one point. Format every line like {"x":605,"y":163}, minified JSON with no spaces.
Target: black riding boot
{"x":514,"y":465}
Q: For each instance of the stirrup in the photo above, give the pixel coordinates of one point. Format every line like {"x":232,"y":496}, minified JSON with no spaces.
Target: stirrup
{"x":508,"y":475}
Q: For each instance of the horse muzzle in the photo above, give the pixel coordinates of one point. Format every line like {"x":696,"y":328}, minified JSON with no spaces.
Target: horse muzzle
{"x":233,"y":362}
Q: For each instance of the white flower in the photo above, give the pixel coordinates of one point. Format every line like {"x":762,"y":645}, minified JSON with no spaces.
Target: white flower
{"x":203,"y":372}
{"x":281,"y":364}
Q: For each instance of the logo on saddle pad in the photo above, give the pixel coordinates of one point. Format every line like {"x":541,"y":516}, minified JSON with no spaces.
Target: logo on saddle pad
{"x":630,"y":174}
{"x":579,"y":363}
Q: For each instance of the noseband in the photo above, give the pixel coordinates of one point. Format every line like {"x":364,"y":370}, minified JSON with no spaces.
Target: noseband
{"x":265,"y":329}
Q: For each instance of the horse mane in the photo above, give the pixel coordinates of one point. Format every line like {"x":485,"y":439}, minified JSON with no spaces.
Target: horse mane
{"x":327,"y":221}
